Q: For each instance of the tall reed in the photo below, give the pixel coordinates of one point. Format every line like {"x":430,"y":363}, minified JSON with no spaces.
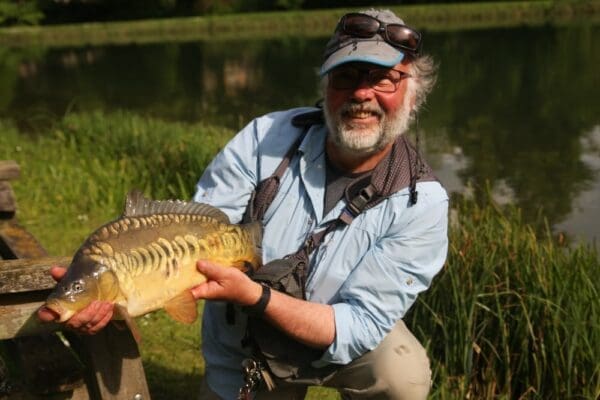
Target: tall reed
{"x":515,"y":314}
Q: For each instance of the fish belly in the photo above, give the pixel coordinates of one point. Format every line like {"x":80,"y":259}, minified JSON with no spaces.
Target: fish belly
{"x":151,"y":290}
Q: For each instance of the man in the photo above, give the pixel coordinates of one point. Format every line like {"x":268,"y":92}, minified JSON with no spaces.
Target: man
{"x":363,"y":276}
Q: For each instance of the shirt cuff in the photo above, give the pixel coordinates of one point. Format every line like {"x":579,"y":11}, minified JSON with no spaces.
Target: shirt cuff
{"x":352,"y":337}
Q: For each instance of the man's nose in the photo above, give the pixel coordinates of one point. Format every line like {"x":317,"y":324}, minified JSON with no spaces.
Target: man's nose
{"x":363,"y":91}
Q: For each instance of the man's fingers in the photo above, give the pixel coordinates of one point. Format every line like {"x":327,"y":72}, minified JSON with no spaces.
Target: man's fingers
{"x":57,"y":272}
{"x":200,"y":291}
{"x":47,"y":315}
{"x":99,"y":325}
{"x":207,"y":268}
{"x":91,"y":317}
{"x":104,"y":309}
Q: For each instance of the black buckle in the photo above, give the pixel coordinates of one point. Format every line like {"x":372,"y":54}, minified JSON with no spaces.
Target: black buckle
{"x":360,"y":201}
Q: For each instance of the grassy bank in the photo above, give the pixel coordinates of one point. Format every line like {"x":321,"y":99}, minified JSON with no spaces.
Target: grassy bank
{"x":316,"y":23}
{"x":514,"y":314}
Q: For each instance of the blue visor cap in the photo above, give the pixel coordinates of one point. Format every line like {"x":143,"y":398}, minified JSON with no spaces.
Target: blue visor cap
{"x":343,"y":49}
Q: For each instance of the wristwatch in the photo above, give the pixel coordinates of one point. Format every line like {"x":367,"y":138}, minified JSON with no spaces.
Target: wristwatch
{"x":258,"y":309}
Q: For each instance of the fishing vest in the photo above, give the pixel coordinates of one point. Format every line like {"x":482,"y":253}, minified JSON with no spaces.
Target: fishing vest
{"x":273,"y":351}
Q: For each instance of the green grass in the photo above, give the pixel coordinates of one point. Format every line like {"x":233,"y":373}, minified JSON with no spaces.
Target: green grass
{"x":514,"y":313}
{"x":313,"y":23}
{"x":77,"y":172}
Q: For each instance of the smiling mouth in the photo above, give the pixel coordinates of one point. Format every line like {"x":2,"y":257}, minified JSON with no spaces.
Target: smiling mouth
{"x":361,"y":115}
{"x":361,"y":118}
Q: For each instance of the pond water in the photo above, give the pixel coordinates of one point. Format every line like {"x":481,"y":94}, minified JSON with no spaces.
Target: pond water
{"x":517,"y":108}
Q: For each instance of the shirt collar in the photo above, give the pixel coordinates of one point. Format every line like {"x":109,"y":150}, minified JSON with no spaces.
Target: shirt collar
{"x":313,"y":145}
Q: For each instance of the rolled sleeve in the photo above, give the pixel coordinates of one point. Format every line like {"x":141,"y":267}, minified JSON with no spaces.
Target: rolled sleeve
{"x":386,"y":281}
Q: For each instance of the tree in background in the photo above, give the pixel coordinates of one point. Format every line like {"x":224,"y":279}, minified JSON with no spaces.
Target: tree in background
{"x":33,"y":12}
{"x":23,"y":12}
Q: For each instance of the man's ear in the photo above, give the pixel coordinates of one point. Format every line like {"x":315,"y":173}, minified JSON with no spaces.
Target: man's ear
{"x":411,"y":103}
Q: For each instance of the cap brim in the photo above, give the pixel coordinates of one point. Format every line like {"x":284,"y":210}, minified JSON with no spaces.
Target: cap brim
{"x":373,"y":51}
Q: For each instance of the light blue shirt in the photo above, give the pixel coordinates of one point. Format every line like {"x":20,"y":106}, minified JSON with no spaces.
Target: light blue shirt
{"x":370,"y":272}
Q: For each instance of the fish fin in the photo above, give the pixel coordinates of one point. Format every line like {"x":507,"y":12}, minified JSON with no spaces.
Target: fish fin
{"x":243,"y":265}
{"x":123,"y":314}
{"x":255,"y":229}
{"x":136,"y":205}
{"x":183,"y":307}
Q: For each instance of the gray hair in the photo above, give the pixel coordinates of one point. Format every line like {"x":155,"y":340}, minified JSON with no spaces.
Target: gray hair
{"x":424,"y":75}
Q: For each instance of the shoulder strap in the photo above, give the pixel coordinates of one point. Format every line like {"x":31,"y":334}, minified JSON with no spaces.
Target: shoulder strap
{"x":402,"y":167}
{"x":264,"y":193}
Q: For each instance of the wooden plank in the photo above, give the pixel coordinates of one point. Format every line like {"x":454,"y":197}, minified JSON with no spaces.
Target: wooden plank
{"x":18,"y":315}
{"x":24,"y":286}
{"x":28,"y":274}
{"x":9,"y":170}
{"x":8,"y":204}
{"x":16,"y":242}
{"x":114,"y":362}
{"x":17,"y":307}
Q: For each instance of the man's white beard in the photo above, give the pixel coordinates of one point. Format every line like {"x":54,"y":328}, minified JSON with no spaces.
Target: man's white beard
{"x":360,"y":140}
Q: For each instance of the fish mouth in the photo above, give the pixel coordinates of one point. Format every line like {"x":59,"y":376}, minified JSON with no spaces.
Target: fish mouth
{"x":57,"y":308}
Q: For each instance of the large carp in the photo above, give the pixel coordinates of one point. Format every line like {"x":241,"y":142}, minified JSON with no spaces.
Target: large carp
{"x":146,"y":259}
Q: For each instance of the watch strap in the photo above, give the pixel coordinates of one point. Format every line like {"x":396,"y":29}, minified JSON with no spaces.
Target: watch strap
{"x":258,"y":309}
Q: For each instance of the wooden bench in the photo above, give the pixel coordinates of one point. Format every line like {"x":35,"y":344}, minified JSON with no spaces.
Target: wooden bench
{"x":40,"y":360}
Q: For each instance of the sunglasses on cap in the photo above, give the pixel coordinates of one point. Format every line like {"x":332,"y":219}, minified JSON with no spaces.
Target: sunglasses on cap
{"x":364,"y":26}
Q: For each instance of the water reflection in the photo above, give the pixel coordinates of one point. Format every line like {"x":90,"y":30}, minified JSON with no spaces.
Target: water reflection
{"x":518,"y":102}
{"x":517,"y":108}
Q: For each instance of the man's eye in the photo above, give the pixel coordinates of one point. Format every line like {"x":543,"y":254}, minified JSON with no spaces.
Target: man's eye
{"x":381,"y":76}
{"x":347,"y":76}
{"x":384,"y":81}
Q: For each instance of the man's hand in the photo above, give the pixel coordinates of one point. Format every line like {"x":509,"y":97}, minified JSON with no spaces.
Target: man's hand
{"x":227,"y":284}
{"x":90,"y":320}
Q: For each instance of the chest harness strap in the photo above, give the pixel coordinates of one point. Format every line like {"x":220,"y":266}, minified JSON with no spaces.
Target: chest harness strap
{"x":401,"y":168}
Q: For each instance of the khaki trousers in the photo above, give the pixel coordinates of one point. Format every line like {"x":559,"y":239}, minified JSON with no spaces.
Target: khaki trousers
{"x":397,"y":369}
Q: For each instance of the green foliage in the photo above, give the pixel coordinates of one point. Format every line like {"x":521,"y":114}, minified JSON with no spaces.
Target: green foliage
{"x":78,"y":172}
{"x":23,"y":12}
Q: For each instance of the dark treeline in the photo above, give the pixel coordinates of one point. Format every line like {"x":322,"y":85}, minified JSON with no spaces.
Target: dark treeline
{"x":46,"y":12}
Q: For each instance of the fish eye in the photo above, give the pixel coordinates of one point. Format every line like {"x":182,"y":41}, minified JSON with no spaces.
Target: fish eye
{"x":77,"y":286}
